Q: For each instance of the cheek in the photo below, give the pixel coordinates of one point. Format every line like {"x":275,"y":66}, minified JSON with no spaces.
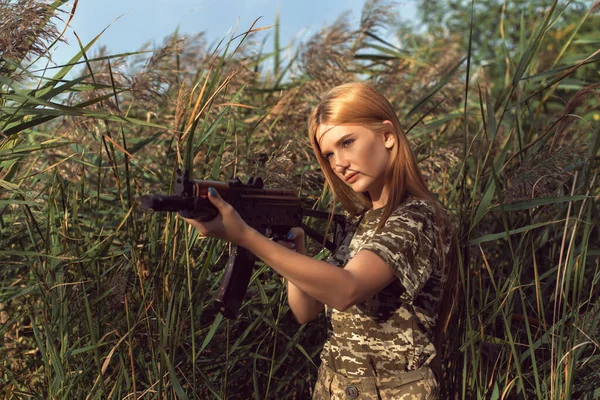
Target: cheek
{"x":375,"y":157}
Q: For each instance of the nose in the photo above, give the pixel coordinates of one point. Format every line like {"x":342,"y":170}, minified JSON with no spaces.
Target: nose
{"x":341,"y":166}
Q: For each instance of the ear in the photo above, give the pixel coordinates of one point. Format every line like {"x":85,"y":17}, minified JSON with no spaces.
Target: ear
{"x":389,"y":137}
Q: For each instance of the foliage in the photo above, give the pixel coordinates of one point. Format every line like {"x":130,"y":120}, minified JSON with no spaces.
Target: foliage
{"x":100,"y":300}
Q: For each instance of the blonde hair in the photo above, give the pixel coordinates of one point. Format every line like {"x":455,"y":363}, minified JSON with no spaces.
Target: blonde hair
{"x":360,"y":104}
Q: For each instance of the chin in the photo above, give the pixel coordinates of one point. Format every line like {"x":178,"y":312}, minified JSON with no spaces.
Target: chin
{"x":359,"y":188}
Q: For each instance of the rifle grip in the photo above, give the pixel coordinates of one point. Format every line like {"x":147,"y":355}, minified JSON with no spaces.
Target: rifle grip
{"x":235,"y":282}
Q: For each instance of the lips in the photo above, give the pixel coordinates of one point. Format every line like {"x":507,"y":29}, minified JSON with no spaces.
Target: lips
{"x":350,"y":176}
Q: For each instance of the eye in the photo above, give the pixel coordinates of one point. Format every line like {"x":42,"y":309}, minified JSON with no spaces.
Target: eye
{"x":347,"y":142}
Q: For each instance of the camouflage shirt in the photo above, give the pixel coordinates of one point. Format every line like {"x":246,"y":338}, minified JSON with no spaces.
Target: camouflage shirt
{"x":392,"y":331}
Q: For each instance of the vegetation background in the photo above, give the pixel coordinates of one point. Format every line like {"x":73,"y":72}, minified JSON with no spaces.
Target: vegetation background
{"x":100,"y":300}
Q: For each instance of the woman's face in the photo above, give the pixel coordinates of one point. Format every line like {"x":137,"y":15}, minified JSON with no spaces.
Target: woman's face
{"x":357,"y":155}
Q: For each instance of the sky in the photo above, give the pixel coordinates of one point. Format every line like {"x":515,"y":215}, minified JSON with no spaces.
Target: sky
{"x":135,"y":22}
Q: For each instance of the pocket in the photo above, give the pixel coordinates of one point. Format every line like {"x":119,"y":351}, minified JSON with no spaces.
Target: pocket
{"x":431,"y":384}
{"x":321,"y":389}
{"x":354,"y":388}
{"x":420,"y":384}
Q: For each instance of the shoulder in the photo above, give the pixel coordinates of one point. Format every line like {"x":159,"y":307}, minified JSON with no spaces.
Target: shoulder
{"x":427,"y":220}
{"x":415,"y":212}
{"x":404,"y":227}
{"x":410,"y":219}
{"x":415,"y":205}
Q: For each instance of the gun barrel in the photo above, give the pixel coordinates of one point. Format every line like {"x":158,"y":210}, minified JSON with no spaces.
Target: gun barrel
{"x":166,"y":203}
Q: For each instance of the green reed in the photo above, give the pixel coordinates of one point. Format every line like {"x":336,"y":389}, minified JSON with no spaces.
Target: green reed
{"x":101,"y":300}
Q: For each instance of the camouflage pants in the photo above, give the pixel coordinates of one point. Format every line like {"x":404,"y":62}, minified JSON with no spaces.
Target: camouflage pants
{"x":419,"y":384}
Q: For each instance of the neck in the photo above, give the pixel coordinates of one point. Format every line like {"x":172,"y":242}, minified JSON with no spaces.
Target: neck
{"x":379,"y":198}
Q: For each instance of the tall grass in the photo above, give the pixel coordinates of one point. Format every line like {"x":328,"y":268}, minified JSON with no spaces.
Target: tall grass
{"x":100,"y":300}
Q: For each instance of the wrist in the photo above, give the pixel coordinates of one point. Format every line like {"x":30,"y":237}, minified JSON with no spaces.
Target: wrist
{"x":245,"y":236}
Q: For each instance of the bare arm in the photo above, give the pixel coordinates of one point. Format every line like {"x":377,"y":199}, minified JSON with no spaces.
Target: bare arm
{"x":304,"y":307}
{"x":364,"y":275}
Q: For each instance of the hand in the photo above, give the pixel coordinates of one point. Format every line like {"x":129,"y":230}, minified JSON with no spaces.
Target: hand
{"x":296,"y":242}
{"x":228,"y":225}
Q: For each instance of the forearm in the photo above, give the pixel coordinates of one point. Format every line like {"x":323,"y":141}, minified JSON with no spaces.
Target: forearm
{"x":324,"y":282}
{"x":304,"y":307}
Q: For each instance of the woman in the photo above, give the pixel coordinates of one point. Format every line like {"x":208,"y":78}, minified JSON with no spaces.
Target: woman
{"x":382,"y":289}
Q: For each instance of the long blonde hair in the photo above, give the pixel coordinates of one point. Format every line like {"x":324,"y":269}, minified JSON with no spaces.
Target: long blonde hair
{"x":360,"y":104}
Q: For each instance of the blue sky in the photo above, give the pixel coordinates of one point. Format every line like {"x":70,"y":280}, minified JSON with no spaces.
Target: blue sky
{"x":142,"y":21}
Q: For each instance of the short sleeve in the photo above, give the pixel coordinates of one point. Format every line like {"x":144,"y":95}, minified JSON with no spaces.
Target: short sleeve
{"x":404,"y":244}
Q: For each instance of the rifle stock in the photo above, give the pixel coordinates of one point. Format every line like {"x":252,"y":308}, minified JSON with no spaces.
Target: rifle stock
{"x":273,"y":212}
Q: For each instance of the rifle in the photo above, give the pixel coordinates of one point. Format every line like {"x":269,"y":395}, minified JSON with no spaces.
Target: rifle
{"x":272,"y":212}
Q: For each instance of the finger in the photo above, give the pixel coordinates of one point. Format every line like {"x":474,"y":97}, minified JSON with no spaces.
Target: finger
{"x":190,"y":221}
{"x":216,"y":199}
{"x":289,"y":245}
{"x":297,"y":235}
{"x":195,"y":224}
{"x":295,"y":232}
